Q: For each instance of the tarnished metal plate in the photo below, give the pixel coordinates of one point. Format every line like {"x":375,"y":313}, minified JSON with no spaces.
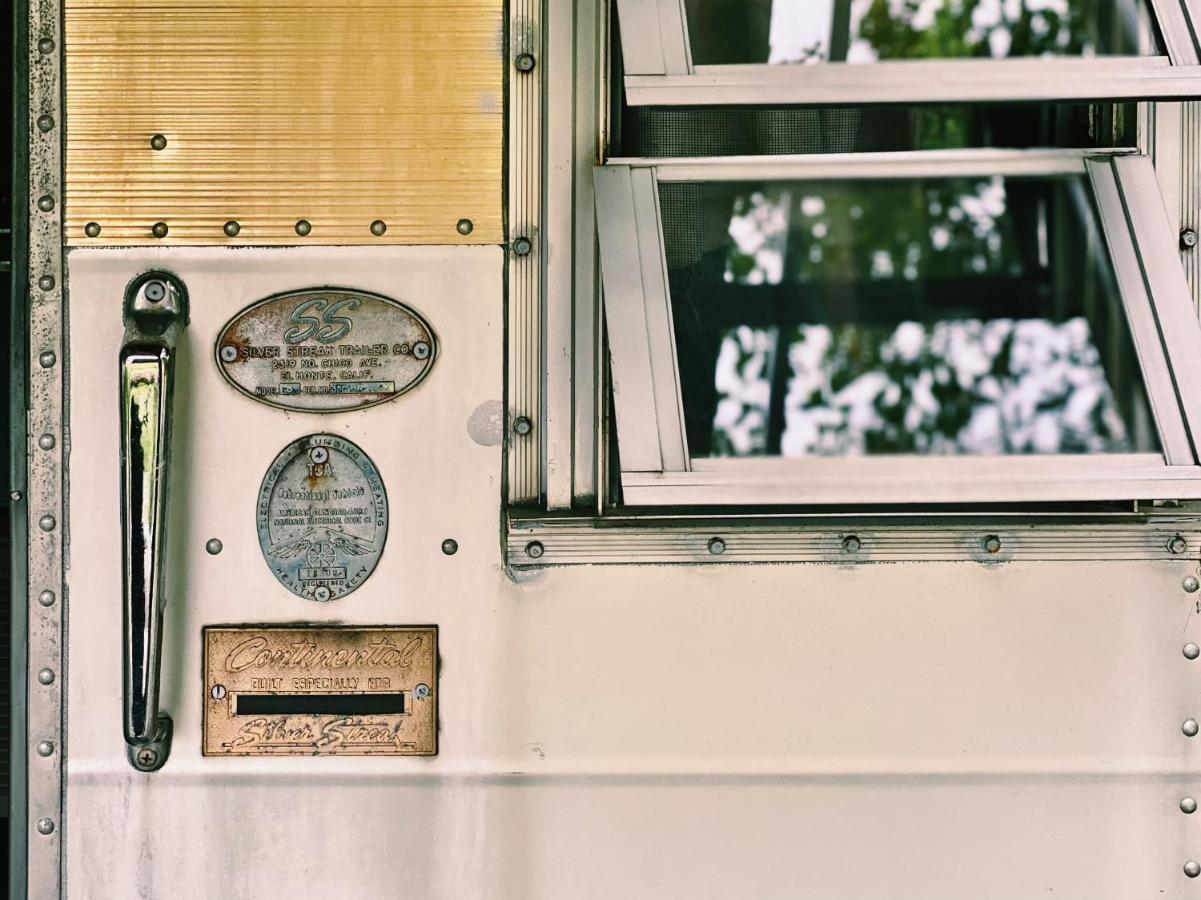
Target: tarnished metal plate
{"x":322,"y":517}
{"x":325,"y":350}
{"x":320,"y":691}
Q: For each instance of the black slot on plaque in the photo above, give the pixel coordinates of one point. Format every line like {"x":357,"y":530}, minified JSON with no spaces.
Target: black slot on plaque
{"x":319,"y":704}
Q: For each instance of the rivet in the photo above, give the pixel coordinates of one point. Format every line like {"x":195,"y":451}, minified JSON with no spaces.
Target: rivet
{"x":1188,"y":806}
{"x":450,"y":546}
{"x":45,"y":123}
{"x":231,"y":228}
{"x":522,"y":425}
{"x":1188,"y":239}
{"x":525,"y":62}
{"x":421,"y":691}
{"x":1192,"y":868}
{"x":523,"y":246}
{"x":219,"y":692}
{"x":534,"y":549}
{"x":46,"y":442}
{"x":303,"y":227}
{"x":1189,"y":728}
{"x":15,"y":496}
{"x":46,"y":598}
{"x":1190,"y":584}
{"x":213,"y":546}
{"x":47,"y":358}
{"x":717,"y":546}
{"x":464,"y":227}
{"x":92,"y":229}
{"x":159,"y":229}
{"x":46,"y":282}
{"x":45,"y":748}
{"x":46,"y":45}
{"x":46,"y":676}
{"x":45,"y":826}
{"x":46,"y":523}
{"x":851,"y":544}
{"x":46,"y":203}
{"x":991,"y":544}
{"x":158,"y":142}
{"x":1191,"y":651}
{"x":378,"y":227}
{"x":1177,"y":544}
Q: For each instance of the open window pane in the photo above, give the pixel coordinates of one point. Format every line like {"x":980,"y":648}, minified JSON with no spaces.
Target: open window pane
{"x":929,"y":316}
{"x":723,"y":32}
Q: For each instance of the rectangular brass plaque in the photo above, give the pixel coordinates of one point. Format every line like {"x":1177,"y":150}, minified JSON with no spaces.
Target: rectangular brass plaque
{"x":320,"y":691}
{"x":275,"y":122}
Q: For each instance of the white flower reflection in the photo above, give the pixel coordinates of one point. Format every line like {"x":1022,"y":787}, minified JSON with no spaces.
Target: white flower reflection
{"x":952,"y":388}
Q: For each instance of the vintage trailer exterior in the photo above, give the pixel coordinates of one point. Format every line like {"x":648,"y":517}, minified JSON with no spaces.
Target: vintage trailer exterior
{"x":560,"y":449}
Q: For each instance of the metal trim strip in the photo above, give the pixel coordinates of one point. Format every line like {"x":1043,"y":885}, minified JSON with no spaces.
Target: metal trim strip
{"x":46,"y":444}
{"x":649,"y":540}
{"x":524,"y":382}
{"x":921,"y":81}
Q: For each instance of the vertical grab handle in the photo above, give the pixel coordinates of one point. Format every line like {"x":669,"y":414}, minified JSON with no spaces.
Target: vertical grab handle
{"x":155,"y":312}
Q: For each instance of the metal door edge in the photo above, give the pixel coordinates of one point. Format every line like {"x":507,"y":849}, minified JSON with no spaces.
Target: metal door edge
{"x":38,"y":411}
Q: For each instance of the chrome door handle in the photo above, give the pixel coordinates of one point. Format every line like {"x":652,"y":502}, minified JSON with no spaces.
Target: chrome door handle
{"x":156,"y":310}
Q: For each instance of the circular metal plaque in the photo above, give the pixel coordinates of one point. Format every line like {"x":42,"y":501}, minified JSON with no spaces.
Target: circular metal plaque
{"x":322,"y":517}
{"x":325,"y":350}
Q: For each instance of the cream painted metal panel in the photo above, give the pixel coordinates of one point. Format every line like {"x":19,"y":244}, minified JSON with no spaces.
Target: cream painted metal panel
{"x":919,"y":730}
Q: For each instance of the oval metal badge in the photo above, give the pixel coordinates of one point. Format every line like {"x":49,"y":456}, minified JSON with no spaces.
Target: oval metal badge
{"x":322,"y":517}
{"x":325,"y":350}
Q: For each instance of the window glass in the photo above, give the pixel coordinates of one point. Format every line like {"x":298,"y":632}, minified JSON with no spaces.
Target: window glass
{"x":938,"y":316}
{"x":867,"y":31}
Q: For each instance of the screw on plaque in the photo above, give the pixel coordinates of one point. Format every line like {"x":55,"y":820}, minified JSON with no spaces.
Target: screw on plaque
{"x":522,"y":425}
{"x":422,"y":691}
{"x":523,"y":246}
{"x":525,"y":62}
{"x":717,"y":546}
{"x":219,"y":692}
{"x":851,"y":544}
{"x":1177,"y":545}
{"x":421,"y":350}
{"x":992,"y":544}
{"x":534,"y":549}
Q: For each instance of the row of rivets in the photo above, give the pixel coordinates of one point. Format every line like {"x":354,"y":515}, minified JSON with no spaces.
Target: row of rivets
{"x":1190,"y":728}
{"x":46,"y":282}
{"x":303,"y":227}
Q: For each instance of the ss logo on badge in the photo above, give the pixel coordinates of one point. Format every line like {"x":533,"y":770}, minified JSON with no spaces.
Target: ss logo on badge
{"x":326,"y":329}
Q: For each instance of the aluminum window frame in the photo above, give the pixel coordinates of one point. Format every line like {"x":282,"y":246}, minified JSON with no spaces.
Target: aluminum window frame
{"x":659,"y":70}
{"x":656,"y":469}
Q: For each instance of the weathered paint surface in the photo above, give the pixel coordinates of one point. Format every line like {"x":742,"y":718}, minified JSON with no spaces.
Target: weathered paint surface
{"x":935,"y":730}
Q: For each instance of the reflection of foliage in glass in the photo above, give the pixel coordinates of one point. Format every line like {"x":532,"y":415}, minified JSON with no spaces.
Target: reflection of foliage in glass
{"x":744,"y":391}
{"x":947,"y":29}
{"x":958,"y":387}
{"x":914,"y":230}
{"x":759,"y":228}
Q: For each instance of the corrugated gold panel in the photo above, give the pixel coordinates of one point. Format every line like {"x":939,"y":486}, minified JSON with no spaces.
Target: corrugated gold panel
{"x":275,"y":113}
